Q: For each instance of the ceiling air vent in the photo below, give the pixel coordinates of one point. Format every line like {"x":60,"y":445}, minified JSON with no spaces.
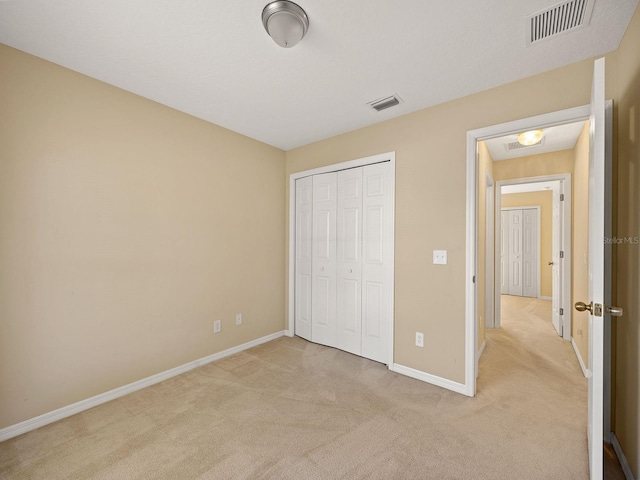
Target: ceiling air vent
{"x":518,"y":146}
{"x":564,"y":17}
{"x":385,"y":103}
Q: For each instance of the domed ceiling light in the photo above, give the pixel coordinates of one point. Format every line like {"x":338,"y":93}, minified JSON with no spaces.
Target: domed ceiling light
{"x":285,"y":22}
{"x":530,"y":138}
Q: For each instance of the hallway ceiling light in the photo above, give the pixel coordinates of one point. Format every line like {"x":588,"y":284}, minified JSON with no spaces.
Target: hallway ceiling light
{"x":530,"y":138}
{"x":285,"y":22}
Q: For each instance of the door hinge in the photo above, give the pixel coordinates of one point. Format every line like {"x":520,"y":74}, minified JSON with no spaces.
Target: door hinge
{"x":562,"y":197}
{"x":473,"y":279}
{"x":562,"y":311}
{"x":561,"y":253}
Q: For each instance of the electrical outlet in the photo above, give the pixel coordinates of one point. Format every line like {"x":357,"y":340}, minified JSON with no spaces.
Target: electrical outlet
{"x":217,"y":326}
{"x":419,"y":339}
{"x":439,"y":257}
{"x":238,"y":319}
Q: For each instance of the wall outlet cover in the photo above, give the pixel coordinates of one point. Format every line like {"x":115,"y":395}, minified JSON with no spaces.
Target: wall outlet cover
{"x":439,"y":257}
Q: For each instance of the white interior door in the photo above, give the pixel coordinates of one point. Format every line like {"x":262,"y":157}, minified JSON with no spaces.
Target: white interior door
{"x":504,"y":252}
{"x":489,"y":264}
{"x":349,"y":261}
{"x":530,"y":264}
{"x":304,"y":237}
{"x":556,"y":301}
{"x":323,"y":282}
{"x":515,"y":252}
{"x":598,"y":192}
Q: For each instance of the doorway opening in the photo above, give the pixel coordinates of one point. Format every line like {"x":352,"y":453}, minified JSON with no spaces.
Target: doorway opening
{"x":597,"y":259}
{"x":476,"y":201}
{"x":547,"y":275}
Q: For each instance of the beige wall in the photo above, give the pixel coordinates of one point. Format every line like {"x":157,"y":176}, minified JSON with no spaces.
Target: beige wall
{"x":485,"y":166}
{"x":580,"y":243}
{"x":625,"y":70}
{"x":545,"y":201}
{"x":126,"y":228}
{"x":554,"y":163}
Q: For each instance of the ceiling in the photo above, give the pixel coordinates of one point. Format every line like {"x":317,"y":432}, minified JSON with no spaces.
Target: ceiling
{"x":214,"y":60}
{"x":559,"y":137}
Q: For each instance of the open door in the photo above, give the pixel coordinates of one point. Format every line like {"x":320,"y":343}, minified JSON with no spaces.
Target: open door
{"x":599,"y":277}
{"x":556,"y":278}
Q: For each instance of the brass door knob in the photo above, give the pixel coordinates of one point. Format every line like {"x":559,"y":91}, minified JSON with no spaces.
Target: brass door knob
{"x":581,"y":306}
{"x":614,"y":311}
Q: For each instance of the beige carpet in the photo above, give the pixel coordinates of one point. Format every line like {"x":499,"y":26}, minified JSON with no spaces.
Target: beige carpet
{"x":290,"y":409}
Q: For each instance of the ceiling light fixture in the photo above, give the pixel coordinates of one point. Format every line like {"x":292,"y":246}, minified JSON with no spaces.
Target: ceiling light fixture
{"x":530,"y":138}
{"x":285,"y":22}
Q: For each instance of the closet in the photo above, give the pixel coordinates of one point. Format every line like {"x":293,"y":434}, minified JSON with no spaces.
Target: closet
{"x":519,"y":251}
{"x":343,"y":256}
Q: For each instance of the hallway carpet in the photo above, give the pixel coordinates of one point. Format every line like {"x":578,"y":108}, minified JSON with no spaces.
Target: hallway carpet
{"x":290,"y":409}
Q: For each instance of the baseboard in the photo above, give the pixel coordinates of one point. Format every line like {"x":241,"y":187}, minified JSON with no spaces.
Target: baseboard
{"x":482,"y":347}
{"x":624,"y":463}
{"x":541,"y":297}
{"x":432,"y":379}
{"x":64,"y":412}
{"x":582,"y":366}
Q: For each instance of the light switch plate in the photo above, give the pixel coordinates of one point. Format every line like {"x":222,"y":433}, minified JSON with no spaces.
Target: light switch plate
{"x":439,"y":257}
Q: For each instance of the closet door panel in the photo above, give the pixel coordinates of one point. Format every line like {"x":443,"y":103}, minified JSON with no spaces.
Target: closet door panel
{"x":515,"y":252}
{"x":377,"y":323}
{"x":304,"y":237}
{"x":349,"y":261}
{"x":323,"y":282}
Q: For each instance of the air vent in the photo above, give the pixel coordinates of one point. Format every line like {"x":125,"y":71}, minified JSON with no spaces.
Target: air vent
{"x":518,"y":146}
{"x":565,"y":17}
{"x":386,"y":102}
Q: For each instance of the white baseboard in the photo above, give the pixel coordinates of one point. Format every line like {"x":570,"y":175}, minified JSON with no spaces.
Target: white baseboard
{"x":482,"y":347}
{"x":624,"y":463}
{"x":432,"y":379}
{"x":64,"y":412}
{"x":582,"y":366}
{"x":541,"y":297}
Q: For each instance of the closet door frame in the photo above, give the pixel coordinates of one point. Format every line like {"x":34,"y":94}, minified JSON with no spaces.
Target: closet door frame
{"x":360,"y":162}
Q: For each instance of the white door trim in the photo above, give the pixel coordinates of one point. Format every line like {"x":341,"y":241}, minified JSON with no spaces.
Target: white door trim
{"x":360,"y":162}
{"x":473,"y":136}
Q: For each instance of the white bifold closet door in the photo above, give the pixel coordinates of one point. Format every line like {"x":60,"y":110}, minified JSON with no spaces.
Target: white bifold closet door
{"x":347,"y":280}
{"x":323,"y":263}
{"x":520,"y":239}
{"x":349,"y":261}
{"x":304,"y":229}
